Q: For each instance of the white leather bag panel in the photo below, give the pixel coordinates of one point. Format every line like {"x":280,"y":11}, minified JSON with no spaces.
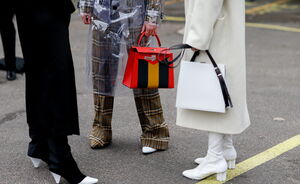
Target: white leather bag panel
{"x":199,"y":87}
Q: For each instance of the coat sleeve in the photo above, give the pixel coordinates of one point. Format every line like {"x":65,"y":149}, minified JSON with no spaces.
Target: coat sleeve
{"x":203,"y":15}
{"x":153,"y":11}
{"x":86,"y":6}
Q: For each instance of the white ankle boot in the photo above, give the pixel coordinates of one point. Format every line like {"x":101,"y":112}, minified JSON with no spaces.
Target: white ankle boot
{"x":86,"y":180}
{"x":147,"y":150}
{"x":213,"y":163}
{"x":229,"y":152}
{"x":36,"y":162}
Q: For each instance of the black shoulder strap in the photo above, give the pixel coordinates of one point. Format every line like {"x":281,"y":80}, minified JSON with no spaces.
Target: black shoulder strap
{"x":226,"y":96}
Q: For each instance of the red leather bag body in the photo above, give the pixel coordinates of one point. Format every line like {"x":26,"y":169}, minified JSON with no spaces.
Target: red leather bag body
{"x":144,"y":68}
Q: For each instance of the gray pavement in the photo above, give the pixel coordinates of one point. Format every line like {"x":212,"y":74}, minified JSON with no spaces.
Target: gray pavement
{"x":273,"y":74}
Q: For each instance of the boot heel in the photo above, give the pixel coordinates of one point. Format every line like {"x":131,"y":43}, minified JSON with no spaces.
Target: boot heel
{"x":56,"y":177}
{"x":231,"y":164}
{"x":221,"y":176}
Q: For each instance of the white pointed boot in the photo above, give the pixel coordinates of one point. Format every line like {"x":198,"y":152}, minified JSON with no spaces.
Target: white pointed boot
{"x":229,"y":152}
{"x":36,"y":162}
{"x":89,"y":180}
{"x":56,"y":177}
{"x":213,"y":163}
{"x":86,"y":180}
{"x":147,"y":150}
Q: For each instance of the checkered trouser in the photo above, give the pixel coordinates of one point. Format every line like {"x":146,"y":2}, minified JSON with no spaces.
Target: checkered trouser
{"x":155,"y":130}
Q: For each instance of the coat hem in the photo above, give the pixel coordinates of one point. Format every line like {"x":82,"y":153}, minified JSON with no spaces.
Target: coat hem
{"x":216,"y":131}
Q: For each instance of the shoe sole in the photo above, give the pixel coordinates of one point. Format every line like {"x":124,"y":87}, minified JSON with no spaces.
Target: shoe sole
{"x":219,"y":177}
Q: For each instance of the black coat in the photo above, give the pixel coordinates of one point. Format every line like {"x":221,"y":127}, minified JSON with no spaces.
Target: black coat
{"x":51,"y":102}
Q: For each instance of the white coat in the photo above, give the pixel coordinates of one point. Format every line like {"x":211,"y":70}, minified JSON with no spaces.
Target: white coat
{"x":219,"y":25}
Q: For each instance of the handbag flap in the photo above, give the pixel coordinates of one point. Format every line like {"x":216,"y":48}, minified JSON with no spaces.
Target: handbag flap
{"x":152,"y":50}
{"x":151,"y":54}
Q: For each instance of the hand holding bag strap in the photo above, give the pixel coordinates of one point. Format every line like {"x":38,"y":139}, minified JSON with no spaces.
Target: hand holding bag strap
{"x":144,"y":34}
{"x":226,"y":96}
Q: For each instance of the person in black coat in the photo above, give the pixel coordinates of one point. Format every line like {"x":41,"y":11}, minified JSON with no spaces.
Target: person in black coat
{"x":51,"y":103}
{"x":8,"y":36}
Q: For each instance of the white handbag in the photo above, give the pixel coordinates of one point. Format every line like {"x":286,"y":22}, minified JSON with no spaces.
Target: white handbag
{"x":201,"y":86}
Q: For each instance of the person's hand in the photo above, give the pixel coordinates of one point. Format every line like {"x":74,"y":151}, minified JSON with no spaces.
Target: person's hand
{"x":149,"y":29}
{"x":86,"y":18}
{"x":194,"y":49}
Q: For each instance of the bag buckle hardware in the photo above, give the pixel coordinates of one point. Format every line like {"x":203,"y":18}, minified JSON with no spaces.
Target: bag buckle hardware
{"x":150,"y":58}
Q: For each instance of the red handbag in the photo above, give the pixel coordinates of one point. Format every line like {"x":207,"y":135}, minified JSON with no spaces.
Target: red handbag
{"x":147,"y":67}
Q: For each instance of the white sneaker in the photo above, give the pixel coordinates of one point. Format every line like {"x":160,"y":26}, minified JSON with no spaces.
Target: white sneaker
{"x":147,"y":150}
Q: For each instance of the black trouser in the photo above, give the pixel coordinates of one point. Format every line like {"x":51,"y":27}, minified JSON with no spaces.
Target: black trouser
{"x":8,"y":36}
{"x":51,"y":104}
{"x":56,"y":152}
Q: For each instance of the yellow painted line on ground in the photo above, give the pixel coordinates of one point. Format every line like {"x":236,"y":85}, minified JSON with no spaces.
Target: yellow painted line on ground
{"x":176,"y":19}
{"x":266,"y":6}
{"x":257,"y":160}
{"x":248,"y":24}
{"x":273,"y":27}
{"x":250,"y":3}
{"x":170,"y":2}
{"x":173,"y":2}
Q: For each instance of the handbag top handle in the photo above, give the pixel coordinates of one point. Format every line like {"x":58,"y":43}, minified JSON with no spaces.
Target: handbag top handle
{"x":144,"y":34}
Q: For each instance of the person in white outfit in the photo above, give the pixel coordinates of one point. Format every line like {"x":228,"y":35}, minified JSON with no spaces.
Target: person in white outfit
{"x":218,"y":26}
